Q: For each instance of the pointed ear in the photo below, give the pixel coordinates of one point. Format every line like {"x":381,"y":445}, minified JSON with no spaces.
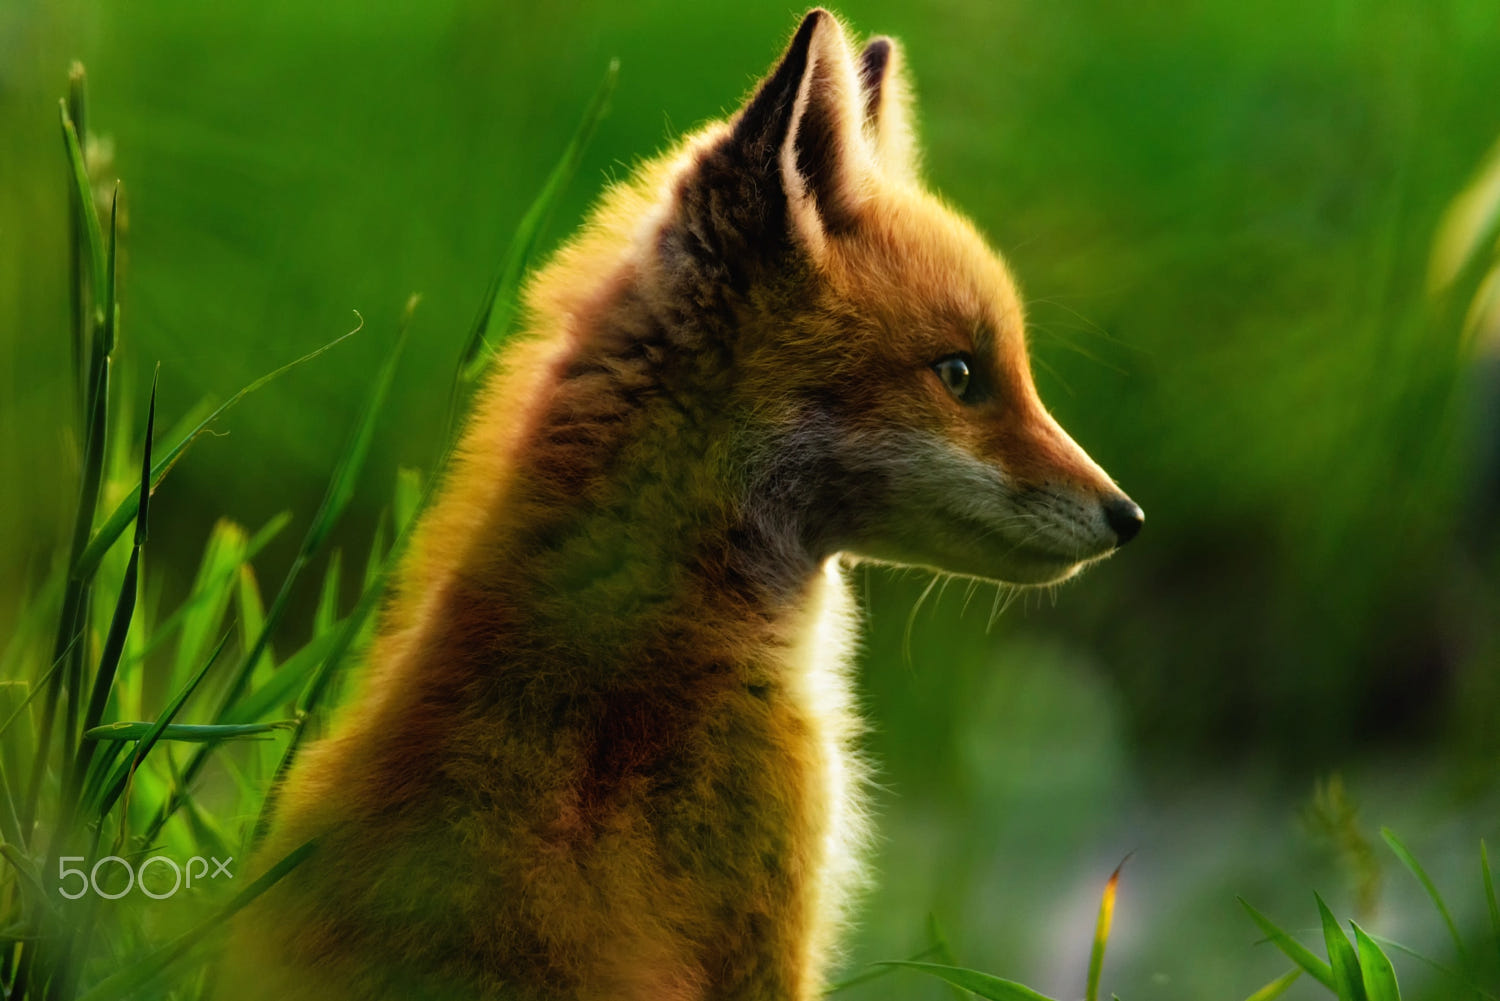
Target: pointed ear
{"x":803,"y":124}
{"x":887,"y":106}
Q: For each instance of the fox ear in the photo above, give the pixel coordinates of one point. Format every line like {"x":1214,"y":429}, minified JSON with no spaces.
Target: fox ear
{"x":803,"y":123}
{"x":887,"y":107}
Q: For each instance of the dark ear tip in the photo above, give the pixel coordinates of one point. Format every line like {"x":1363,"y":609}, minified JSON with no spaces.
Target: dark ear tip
{"x":873,"y":61}
{"x":815,"y":16}
{"x":810,"y":22}
{"x":878,"y":49}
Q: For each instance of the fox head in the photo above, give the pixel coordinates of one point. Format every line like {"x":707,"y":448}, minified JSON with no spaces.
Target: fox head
{"x":867,"y":344}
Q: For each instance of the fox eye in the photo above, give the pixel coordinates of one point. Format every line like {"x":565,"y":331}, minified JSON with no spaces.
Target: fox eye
{"x":956,"y":375}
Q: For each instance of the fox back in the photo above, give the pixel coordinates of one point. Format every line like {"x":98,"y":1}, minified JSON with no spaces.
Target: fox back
{"x":605,"y":744}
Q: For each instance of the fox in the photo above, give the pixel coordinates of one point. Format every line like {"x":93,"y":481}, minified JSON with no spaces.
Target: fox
{"x":606,"y":745}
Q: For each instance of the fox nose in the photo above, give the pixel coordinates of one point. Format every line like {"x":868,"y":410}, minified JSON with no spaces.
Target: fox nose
{"x":1125,"y":517}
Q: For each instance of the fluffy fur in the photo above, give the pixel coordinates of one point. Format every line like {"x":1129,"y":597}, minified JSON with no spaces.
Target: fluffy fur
{"x":605,"y":743}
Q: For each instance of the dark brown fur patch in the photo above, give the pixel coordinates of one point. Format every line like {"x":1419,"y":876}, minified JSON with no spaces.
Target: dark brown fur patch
{"x":873,"y":62}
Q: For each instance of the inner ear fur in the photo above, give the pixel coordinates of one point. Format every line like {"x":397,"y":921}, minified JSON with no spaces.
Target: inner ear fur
{"x":886,"y":96}
{"x":804,"y":125}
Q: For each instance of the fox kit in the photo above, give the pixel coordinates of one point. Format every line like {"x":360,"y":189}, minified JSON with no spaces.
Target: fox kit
{"x":604,"y":749}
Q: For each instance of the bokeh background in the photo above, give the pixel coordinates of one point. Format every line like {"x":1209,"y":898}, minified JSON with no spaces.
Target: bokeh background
{"x":1223,"y":216}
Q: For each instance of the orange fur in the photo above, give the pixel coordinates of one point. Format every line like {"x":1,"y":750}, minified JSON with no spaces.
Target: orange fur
{"x":604,"y":748}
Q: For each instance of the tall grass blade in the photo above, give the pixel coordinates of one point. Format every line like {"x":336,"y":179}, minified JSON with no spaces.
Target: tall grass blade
{"x":101,"y":771}
{"x":31,"y":880}
{"x":941,"y":951}
{"x":335,"y":499}
{"x":1277,"y":987}
{"x":76,"y":591}
{"x":884,"y":971}
{"x":111,"y":790}
{"x":344,"y":640}
{"x":87,"y":561}
{"x":408,"y":496}
{"x":1347,"y":982}
{"x":10,"y":819}
{"x":126,"y":982}
{"x":81,"y":291}
{"x":352,"y":459}
{"x":83,"y":197}
{"x":982,"y":984}
{"x":285,"y":684}
{"x":1409,"y":860}
{"x":41,"y":684}
{"x":1379,"y":975}
{"x":327,"y":612}
{"x":195,"y":733}
{"x":114,"y":643}
{"x":1101,"y":931}
{"x":1458,"y":977}
{"x":252,"y":610}
{"x":199,"y":615}
{"x":499,"y":306}
{"x":1294,"y":950}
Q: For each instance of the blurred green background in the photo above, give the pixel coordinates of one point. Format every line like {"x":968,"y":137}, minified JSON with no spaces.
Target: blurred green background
{"x":1222,"y":215}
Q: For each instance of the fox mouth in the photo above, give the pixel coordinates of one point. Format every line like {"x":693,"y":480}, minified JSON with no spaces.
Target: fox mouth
{"x":1028,"y":560}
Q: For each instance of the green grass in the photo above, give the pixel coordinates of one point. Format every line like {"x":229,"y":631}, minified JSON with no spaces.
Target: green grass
{"x":103,"y":786}
{"x":1363,"y":971}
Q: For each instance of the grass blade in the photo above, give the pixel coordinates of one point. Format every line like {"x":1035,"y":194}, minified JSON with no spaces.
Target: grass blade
{"x":116,"y":784}
{"x":941,"y":951}
{"x":81,"y":290}
{"x":83,"y":194}
{"x":1347,"y":982}
{"x":327,"y":612}
{"x":125,"y":982}
{"x":143,"y":515}
{"x":114,"y":643}
{"x":76,"y":591}
{"x":352,"y":459}
{"x":982,"y":984}
{"x":1379,"y":975}
{"x":500,"y":301}
{"x":188,"y":732}
{"x":1277,"y":987}
{"x":1459,"y":978}
{"x":1489,"y":893}
{"x":201,"y":612}
{"x":343,"y":641}
{"x":1294,"y":950}
{"x":335,"y":499}
{"x":88,"y":560}
{"x":10,"y":820}
{"x":100,"y":773}
{"x":1409,"y":860}
{"x":1101,"y":931}
{"x":30,"y":879}
{"x":286,"y":683}
{"x":408,"y":496}
{"x":198,"y":616}
{"x":883,"y":971}
{"x":40,"y":684}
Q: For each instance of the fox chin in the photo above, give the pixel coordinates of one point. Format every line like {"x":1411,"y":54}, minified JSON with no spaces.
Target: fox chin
{"x":604,"y":745}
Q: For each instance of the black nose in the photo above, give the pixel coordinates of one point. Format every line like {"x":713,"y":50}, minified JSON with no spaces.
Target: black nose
{"x":1125,"y":517}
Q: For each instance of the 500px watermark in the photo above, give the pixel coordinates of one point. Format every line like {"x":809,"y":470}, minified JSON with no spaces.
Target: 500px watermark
{"x":165,"y":872}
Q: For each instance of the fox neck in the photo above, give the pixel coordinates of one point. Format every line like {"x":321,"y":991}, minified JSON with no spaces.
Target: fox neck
{"x":654,"y":524}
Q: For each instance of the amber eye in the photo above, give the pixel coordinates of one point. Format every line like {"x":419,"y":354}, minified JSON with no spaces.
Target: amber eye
{"x":954,"y":371}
